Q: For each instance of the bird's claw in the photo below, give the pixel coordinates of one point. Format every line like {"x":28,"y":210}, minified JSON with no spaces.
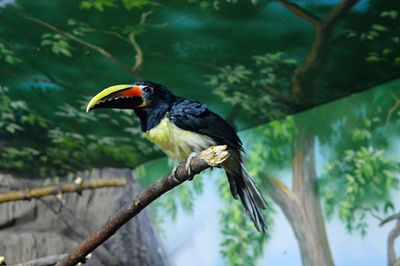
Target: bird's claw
{"x":187,"y":165}
{"x":176,"y":180}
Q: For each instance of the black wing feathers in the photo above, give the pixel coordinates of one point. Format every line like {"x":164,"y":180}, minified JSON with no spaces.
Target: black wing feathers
{"x":196,"y":117}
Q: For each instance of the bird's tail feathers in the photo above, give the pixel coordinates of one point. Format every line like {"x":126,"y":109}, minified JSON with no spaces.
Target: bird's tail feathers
{"x":243,"y":186}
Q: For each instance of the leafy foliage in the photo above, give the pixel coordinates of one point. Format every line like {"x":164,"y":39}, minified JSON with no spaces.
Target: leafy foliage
{"x":8,"y":56}
{"x":272,"y":143}
{"x":58,"y":44}
{"x":360,"y":176}
{"x":385,"y":32}
{"x":241,"y":244}
{"x":239,"y":84}
{"x":33,"y":145}
{"x":368,"y":178}
{"x":45,"y":132}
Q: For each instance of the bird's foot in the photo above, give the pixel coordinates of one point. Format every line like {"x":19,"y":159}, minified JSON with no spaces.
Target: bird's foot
{"x":173,"y":175}
{"x":187,"y":165}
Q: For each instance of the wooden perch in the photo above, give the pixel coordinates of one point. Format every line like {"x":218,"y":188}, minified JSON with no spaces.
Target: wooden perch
{"x":44,"y":261}
{"x":210,"y":157}
{"x":77,"y":187}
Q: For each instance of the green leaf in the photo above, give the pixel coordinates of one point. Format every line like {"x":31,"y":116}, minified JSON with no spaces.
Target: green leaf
{"x":130,"y":4}
{"x":378,"y":27}
{"x":388,"y":206}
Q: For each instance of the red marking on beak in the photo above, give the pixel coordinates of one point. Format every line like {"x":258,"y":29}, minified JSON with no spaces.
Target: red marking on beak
{"x":132,"y":92}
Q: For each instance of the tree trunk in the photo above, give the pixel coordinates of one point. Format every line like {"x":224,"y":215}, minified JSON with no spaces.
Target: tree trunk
{"x":302,"y":206}
{"x":391,"y":253}
{"x":50,"y":226}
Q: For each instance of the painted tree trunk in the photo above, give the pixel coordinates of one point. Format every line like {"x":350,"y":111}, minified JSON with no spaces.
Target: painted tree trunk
{"x":301,"y":205}
{"x":50,"y":226}
{"x":392,"y":258}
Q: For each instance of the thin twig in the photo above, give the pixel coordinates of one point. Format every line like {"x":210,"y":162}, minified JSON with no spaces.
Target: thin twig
{"x":35,"y":193}
{"x":108,"y":32}
{"x":371,"y":212}
{"x":139,"y":60}
{"x":82,"y":42}
{"x":211,"y":157}
{"x":299,"y":11}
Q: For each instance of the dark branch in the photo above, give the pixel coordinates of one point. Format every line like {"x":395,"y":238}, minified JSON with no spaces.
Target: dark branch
{"x":211,"y":157}
{"x":313,"y":60}
{"x":299,"y":11}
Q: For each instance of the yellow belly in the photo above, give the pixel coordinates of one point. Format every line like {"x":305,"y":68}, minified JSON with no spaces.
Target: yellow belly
{"x":175,"y":142}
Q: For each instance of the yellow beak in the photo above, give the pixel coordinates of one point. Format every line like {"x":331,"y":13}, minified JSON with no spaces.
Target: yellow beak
{"x":109,"y":97}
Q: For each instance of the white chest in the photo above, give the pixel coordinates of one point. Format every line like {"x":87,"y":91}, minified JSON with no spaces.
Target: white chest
{"x":175,"y":142}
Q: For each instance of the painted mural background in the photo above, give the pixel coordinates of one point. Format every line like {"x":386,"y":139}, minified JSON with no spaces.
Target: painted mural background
{"x":312,"y":87}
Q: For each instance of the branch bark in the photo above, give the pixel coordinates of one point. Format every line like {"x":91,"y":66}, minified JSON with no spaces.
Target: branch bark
{"x":210,"y":157}
{"x":312,"y":62}
{"x":299,"y":11}
{"x":77,"y":187}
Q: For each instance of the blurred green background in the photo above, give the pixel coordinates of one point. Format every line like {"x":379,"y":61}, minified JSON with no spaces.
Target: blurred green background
{"x":269,"y":67}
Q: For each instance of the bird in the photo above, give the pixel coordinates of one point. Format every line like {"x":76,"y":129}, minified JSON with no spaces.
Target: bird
{"x":181,"y":128}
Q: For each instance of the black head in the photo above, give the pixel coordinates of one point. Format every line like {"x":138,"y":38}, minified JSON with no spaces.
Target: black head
{"x":154,"y":94}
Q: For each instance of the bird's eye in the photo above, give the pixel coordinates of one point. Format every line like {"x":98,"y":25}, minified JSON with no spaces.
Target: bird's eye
{"x":148,"y":89}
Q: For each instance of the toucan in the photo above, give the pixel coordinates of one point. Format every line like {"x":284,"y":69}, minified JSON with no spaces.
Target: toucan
{"x":181,"y":128}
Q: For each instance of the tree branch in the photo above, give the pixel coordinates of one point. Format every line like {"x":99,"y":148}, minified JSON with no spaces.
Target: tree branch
{"x":210,"y":157}
{"x":312,"y":62}
{"x":390,"y":218}
{"x":281,"y":194}
{"x":67,"y":35}
{"x":77,"y":187}
{"x":300,"y":12}
{"x":108,"y":32}
{"x":278,"y":94}
{"x":44,"y":261}
{"x":139,"y":60}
